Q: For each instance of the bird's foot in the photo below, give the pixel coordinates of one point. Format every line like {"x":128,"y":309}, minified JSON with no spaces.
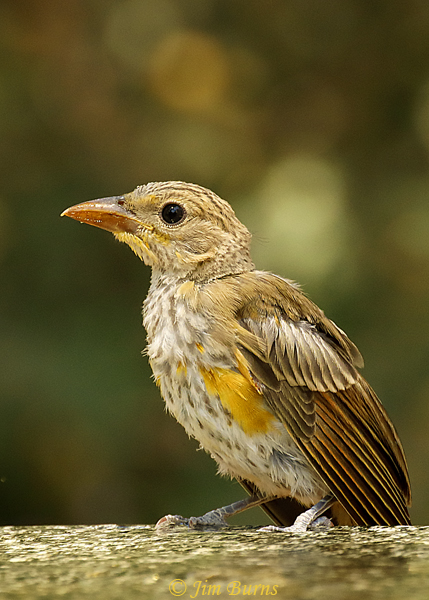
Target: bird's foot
{"x":170,"y":521}
{"x":320,"y":524}
{"x":211,"y":520}
{"x":310,"y":519}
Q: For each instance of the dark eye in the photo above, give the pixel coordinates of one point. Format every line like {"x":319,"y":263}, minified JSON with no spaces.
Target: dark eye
{"x":172,"y":214}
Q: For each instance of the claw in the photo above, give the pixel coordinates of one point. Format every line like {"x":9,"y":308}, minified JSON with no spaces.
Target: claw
{"x":170,"y":521}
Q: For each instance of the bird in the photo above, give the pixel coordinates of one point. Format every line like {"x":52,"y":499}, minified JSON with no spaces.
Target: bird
{"x":253,"y":369}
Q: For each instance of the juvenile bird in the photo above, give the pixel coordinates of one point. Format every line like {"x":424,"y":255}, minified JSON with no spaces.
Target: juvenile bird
{"x":253,"y":369}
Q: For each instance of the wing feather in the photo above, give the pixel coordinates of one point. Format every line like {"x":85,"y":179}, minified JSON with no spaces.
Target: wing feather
{"x":366,"y":465}
{"x":306,"y":367}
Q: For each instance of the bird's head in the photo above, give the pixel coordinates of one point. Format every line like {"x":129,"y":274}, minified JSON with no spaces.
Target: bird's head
{"x":177,"y":228}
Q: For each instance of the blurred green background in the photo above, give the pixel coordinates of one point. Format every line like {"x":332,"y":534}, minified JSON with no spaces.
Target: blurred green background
{"x":310,"y":117}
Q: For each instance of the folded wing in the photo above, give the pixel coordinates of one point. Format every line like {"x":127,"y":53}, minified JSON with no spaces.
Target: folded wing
{"x":307,"y":370}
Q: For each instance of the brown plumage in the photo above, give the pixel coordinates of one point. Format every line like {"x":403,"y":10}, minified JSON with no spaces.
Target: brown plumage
{"x":251,"y":367}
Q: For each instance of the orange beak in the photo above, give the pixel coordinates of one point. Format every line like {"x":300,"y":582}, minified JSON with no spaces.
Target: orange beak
{"x":106,"y":213}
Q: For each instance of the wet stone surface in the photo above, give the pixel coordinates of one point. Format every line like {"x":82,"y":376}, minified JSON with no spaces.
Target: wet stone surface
{"x":110,"y":561}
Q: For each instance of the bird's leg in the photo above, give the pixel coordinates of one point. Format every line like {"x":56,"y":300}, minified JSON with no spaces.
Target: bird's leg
{"x":214,"y":519}
{"x":310,"y":518}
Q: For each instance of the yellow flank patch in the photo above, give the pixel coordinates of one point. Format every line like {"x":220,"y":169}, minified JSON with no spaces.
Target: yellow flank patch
{"x":200,"y":348}
{"x":181,"y":368}
{"x":240,"y":397}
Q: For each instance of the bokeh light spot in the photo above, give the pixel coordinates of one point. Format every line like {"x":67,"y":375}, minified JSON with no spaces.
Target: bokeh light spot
{"x":189,"y":71}
{"x":303,"y":206}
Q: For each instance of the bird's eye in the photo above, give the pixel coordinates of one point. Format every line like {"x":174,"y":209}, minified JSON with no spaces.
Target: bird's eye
{"x":172,"y":214}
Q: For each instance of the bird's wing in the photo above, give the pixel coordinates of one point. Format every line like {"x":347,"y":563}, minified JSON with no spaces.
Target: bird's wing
{"x":305,"y":368}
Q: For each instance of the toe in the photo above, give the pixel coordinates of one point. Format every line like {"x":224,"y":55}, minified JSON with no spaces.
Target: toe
{"x":170,"y":521}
